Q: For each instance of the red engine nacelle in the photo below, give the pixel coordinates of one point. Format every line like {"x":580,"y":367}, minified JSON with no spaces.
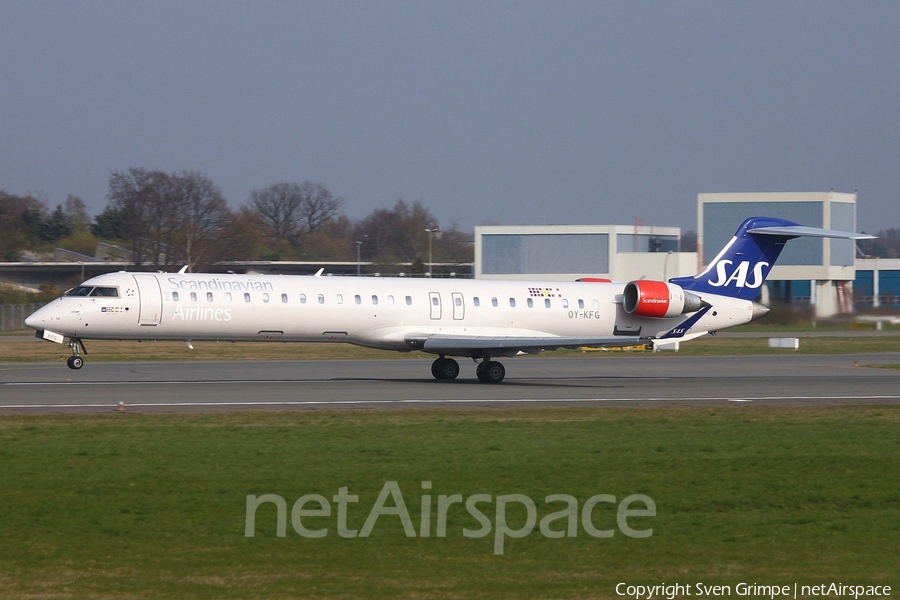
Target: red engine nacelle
{"x":646,"y":298}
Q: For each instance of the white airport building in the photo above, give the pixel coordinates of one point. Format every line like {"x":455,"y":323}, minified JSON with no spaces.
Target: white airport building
{"x":569,"y":252}
{"x":817,"y":272}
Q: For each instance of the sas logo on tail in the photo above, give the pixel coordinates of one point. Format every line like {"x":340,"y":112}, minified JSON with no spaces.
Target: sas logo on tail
{"x":739,"y":275}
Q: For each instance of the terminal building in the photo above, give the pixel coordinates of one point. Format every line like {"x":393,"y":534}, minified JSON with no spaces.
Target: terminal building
{"x":570,"y":252}
{"x":818,"y":273}
{"x":877,"y":283}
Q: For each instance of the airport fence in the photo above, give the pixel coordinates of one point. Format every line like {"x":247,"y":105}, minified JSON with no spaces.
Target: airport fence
{"x":12,"y":316}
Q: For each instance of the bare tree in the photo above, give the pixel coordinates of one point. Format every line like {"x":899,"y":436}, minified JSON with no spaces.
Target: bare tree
{"x":289,"y":211}
{"x":318,"y":206}
{"x":278,"y":206}
{"x":166,"y":219}
{"x":76,"y":210}
{"x":20,"y":219}
{"x":133,"y":210}
{"x":202,"y":216}
{"x":396,"y":234}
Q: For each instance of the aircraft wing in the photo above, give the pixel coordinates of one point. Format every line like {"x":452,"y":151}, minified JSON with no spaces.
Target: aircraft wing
{"x":507,"y":345}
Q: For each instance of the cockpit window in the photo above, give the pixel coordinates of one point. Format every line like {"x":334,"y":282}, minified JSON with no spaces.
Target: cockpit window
{"x":108,"y":292}
{"x":81,"y":290}
{"x":94,"y":291}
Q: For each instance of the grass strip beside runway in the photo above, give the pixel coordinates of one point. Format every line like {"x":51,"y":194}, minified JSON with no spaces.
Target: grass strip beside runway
{"x":154,"y":506}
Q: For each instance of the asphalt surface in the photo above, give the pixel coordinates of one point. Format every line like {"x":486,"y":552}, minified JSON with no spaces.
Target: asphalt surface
{"x":642,"y":381}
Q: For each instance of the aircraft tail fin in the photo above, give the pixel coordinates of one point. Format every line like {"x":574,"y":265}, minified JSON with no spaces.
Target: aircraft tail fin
{"x":744,"y":263}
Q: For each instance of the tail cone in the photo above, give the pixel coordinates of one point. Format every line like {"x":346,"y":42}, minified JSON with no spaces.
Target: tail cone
{"x":759,"y":311}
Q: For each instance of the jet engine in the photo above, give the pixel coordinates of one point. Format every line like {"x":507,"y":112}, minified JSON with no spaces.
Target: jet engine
{"x":647,"y":298}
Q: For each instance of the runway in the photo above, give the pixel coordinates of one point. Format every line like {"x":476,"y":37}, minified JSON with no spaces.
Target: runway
{"x":637,"y":381}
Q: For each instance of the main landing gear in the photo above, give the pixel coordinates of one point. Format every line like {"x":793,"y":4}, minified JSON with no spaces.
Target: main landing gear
{"x":75,"y":361}
{"x":445,"y":368}
{"x":488,"y":371}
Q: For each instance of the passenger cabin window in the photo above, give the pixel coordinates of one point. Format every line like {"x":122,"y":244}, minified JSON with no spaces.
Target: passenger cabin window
{"x":596,"y":304}
{"x":546,"y":302}
{"x":209,"y":296}
{"x":302,"y":298}
{"x":476,"y":301}
{"x":512,"y":302}
{"x":246,"y":297}
{"x":494,"y":302}
{"x":227,"y":296}
{"x":390,"y":300}
{"x":265,"y":296}
{"x":340,"y":298}
{"x":284,"y":298}
{"x":175,"y":296}
{"x":321,"y":298}
{"x":357,"y":298}
{"x":193,"y":296}
{"x":409,"y":300}
{"x":565,"y":303}
{"x":374,"y":299}
{"x":580,"y":303}
{"x":530,"y":303}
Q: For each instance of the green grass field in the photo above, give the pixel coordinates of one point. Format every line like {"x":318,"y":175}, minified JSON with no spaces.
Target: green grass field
{"x":154,"y":506}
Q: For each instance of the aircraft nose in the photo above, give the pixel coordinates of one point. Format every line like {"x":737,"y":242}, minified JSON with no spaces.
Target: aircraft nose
{"x":36,"y":319}
{"x":32,"y":320}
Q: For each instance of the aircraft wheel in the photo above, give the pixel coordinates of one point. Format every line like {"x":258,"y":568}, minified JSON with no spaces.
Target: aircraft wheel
{"x":445,"y":368}
{"x":75,"y":362}
{"x":449,"y":369}
{"x":436,"y":371}
{"x":491,"y":372}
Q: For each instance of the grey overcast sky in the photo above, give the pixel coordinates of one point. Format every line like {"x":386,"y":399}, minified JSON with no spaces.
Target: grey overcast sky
{"x":487,"y":112}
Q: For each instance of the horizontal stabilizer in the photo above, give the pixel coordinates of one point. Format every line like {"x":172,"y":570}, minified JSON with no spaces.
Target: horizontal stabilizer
{"x":801,"y":231}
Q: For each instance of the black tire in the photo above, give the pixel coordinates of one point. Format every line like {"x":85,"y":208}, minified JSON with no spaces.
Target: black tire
{"x":437,"y":368}
{"x":491,"y":372}
{"x":449,"y":369}
{"x":479,"y":371}
{"x":75,"y":362}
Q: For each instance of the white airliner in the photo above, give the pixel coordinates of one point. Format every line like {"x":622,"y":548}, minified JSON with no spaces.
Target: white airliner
{"x":478,"y":319}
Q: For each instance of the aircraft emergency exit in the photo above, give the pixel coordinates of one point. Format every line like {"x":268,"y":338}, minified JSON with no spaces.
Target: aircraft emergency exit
{"x":475,"y":319}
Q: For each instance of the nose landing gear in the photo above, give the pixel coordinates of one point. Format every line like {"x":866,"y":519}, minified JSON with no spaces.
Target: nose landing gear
{"x":75,"y":361}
